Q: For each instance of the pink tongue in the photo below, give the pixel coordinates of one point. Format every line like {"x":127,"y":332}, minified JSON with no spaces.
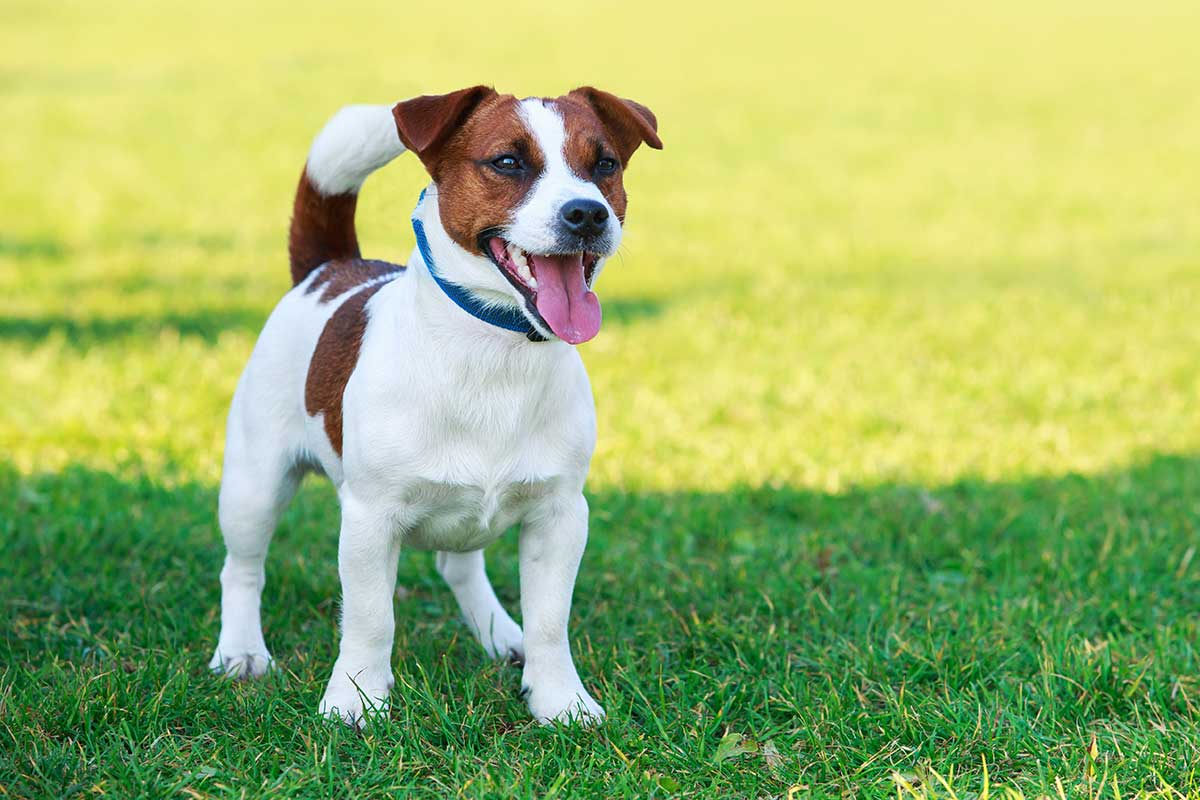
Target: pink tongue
{"x":570,"y":309}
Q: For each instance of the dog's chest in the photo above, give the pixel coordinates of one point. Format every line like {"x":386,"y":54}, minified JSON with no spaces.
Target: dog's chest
{"x":458,"y":444}
{"x":459,"y":468}
{"x":457,"y":517}
{"x":461,"y":487}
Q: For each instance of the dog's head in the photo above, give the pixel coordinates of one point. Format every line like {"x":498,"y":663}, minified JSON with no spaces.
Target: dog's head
{"x":530,"y":191}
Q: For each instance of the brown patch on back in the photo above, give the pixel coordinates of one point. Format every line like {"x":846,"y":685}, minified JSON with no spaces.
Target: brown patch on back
{"x":322,"y":229}
{"x":338,"y":277}
{"x":333,"y":361}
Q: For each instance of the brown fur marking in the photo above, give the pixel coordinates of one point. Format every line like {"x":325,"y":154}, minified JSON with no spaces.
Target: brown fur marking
{"x":458,"y":134}
{"x":628,"y":123}
{"x":427,"y":122}
{"x":587,"y":141}
{"x":322,"y":229}
{"x":473,"y":197}
{"x":337,"y":277}
{"x":334,"y":359}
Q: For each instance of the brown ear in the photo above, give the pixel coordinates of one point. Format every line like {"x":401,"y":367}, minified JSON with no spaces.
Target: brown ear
{"x":629,"y":123}
{"x":426,"y":122}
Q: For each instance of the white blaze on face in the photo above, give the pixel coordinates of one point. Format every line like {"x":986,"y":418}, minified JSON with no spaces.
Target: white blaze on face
{"x":535,"y":224}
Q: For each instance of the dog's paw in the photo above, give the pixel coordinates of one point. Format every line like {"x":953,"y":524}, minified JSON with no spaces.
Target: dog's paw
{"x":241,"y":665}
{"x":564,"y":704}
{"x":504,"y":642}
{"x":353,"y":697}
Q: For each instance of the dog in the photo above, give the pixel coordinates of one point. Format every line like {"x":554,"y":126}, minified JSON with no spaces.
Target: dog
{"x":445,"y":400}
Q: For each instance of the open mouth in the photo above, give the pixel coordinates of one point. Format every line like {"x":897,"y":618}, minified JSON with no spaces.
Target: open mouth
{"x":556,"y":287}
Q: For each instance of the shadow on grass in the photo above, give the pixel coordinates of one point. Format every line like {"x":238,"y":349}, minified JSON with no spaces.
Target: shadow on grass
{"x":878,"y":619}
{"x":50,"y":248}
{"x":208,"y":243}
{"x":42,"y":247}
{"x":206,"y":324}
{"x":627,"y":310}
{"x":80,"y":538}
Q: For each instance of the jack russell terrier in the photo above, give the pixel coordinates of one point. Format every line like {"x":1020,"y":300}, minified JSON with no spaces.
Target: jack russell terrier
{"x":445,"y":400}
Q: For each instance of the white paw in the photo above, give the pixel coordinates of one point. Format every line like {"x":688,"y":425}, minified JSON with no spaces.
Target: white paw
{"x":503,"y":640}
{"x":354,"y":696}
{"x":242,"y":665}
{"x":564,"y":704}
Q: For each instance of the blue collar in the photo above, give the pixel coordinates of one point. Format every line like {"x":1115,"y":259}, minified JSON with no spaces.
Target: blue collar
{"x":510,"y":319}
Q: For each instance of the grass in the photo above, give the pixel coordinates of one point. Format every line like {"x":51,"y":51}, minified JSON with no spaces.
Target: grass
{"x":898,"y":485}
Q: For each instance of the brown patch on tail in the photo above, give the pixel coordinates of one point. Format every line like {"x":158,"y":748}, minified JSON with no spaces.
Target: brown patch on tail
{"x":338,"y":277}
{"x":334,"y":359}
{"x":322,"y":229}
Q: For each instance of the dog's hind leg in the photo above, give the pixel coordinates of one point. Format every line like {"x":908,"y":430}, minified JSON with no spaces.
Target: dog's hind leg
{"x":256,"y":486}
{"x":491,"y":624}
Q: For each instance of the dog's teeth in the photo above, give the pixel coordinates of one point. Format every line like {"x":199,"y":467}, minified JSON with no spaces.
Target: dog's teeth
{"x":521,"y":261}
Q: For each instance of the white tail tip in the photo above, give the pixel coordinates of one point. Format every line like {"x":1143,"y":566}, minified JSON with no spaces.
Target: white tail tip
{"x":357,"y":141}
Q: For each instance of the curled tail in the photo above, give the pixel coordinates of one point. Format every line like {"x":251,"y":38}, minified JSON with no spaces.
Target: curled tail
{"x":352,"y":145}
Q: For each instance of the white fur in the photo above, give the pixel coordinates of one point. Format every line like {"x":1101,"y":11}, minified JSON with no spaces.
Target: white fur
{"x":535,"y":222}
{"x":474,"y":272}
{"x":491,"y":624}
{"x":357,"y":141}
{"x":453,"y":431}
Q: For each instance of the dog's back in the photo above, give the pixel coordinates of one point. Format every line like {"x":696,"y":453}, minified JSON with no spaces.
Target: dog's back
{"x":287,"y":409}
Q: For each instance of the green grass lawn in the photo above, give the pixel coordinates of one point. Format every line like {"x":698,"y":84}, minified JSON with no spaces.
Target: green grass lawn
{"x":897,"y":491}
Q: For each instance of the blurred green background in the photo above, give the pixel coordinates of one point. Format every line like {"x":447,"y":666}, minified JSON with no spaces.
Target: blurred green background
{"x":913,"y":289}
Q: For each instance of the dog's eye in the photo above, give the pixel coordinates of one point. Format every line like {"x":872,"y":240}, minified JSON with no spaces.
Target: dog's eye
{"x":507,"y":163}
{"x":606,"y":166}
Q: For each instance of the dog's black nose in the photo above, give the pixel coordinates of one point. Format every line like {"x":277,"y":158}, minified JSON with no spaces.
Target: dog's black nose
{"x":584,"y":218}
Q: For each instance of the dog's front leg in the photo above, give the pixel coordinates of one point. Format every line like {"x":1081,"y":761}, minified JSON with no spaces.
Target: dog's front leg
{"x":552,"y":542}
{"x":367,"y":553}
